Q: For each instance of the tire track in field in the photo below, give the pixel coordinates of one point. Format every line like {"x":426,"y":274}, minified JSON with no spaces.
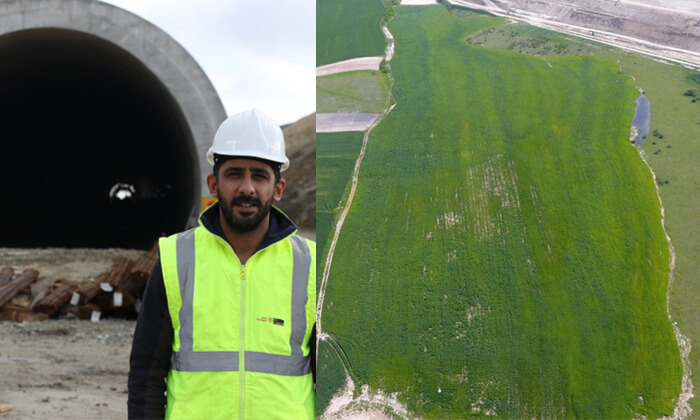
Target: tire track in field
{"x":336,"y":233}
{"x":344,"y":361}
{"x":388,"y":55}
{"x":323,"y":336}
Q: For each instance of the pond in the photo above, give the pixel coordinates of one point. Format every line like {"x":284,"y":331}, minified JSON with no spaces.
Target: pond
{"x":642,"y":115}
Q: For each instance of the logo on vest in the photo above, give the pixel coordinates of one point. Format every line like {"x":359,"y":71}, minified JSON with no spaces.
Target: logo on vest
{"x":274,"y":321}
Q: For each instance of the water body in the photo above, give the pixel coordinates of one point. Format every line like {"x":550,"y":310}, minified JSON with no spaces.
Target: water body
{"x":642,"y":115}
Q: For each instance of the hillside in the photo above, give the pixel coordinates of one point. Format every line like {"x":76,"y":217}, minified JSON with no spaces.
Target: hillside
{"x":299,"y":199}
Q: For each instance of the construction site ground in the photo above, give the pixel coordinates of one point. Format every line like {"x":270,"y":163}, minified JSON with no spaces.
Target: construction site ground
{"x":64,"y":368}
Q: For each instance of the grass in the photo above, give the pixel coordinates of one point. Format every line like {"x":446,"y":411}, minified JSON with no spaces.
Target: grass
{"x":356,"y":91}
{"x":336,"y":154}
{"x":678,"y":120}
{"x":673,"y":157}
{"x":531,"y":40}
{"x":348,"y":29}
{"x":333,"y":376}
{"x":503,"y":257}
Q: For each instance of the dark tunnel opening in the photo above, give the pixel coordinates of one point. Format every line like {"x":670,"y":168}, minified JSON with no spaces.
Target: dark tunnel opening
{"x":95,"y":150}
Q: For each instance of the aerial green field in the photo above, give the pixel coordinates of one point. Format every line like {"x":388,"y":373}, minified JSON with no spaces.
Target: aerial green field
{"x":355,"y":91}
{"x":348,"y":29}
{"x":336,"y":154}
{"x":333,"y":375}
{"x":672,"y":153}
{"x":504,"y":255}
{"x":674,"y":158}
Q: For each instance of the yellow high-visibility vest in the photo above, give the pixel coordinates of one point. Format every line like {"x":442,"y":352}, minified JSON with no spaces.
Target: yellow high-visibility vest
{"x":241,"y":332}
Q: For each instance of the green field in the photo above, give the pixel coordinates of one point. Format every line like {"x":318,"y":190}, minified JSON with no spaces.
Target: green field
{"x":348,"y":29}
{"x":504,"y":254}
{"x":355,"y":91}
{"x":333,"y":374}
{"x":673,"y":157}
{"x":336,"y":154}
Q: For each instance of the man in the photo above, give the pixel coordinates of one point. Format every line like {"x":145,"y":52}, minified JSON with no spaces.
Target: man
{"x":229,"y":310}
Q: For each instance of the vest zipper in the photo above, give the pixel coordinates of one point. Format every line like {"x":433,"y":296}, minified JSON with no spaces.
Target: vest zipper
{"x":241,"y":351}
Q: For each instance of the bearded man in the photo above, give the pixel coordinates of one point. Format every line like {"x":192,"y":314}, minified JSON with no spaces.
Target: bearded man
{"x":227,"y":324}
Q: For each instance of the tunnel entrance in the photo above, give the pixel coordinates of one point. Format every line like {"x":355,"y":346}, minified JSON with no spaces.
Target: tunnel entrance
{"x":95,"y":151}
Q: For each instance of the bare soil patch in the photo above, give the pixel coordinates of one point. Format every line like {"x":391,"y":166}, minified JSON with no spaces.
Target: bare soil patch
{"x":339,"y":122}
{"x":65,"y":369}
{"x":361,"y":63}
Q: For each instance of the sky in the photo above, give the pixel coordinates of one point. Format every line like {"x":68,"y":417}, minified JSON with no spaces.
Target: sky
{"x":257,"y":54}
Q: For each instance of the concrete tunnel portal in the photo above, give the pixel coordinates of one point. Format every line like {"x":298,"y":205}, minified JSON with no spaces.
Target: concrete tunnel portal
{"x":103,"y":131}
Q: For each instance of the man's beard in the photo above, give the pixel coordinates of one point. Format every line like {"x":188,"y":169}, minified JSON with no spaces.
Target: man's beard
{"x":247,"y":223}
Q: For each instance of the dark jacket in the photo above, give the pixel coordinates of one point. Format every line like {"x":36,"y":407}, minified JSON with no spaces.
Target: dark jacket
{"x":152,"y":346}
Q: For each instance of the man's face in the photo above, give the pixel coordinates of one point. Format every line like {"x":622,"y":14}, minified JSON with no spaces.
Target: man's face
{"x":246,"y":189}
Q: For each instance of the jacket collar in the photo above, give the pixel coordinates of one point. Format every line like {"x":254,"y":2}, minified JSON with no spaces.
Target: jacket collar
{"x":281,"y":225}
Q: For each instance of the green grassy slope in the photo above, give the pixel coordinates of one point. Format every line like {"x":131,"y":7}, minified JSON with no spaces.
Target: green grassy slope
{"x":355,"y":91}
{"x":678,"y":120}
{"x":504,"y":257}
{"x":348,"y":29}
{"x":673,"y":157}
{"x":336,"y":154}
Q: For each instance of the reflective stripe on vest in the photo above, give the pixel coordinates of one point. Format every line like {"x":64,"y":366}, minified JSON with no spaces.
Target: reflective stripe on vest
{"x":187,"y":360}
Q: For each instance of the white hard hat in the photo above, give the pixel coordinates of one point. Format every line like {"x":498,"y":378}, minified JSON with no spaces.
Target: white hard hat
{"x":250,"y":133}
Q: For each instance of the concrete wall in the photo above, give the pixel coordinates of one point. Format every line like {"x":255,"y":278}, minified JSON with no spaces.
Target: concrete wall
{"x":163,"y":56}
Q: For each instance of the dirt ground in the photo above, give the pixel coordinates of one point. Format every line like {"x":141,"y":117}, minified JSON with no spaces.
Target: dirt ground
{"x":344,"y":121}
{"x":361,"y":63}
{"x":64,"y":368}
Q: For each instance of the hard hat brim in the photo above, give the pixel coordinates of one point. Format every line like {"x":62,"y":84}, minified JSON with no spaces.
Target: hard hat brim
{"x":257,"y":156}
